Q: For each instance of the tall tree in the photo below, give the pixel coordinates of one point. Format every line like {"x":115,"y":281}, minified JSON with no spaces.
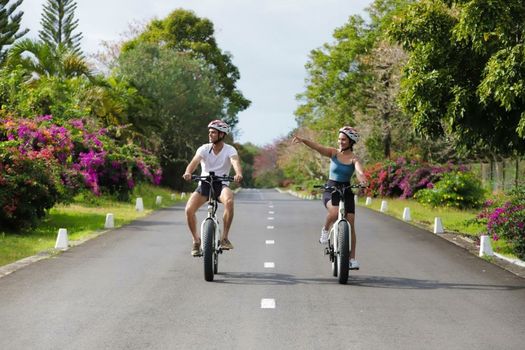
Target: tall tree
{"x":59,"y":23}
{"x":465,"y":77}
{"x":183,"y":31}
{"x":180,"y":102}
{"x":9,"y":26}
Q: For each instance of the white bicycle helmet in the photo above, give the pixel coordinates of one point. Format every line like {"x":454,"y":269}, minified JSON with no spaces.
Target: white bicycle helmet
{"x":219,"y":125}
{"x":350,"y":132}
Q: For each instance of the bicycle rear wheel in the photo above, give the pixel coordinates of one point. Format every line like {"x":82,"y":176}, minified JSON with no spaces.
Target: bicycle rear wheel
{"x":343,"y":254}
{"x":208,"y":248}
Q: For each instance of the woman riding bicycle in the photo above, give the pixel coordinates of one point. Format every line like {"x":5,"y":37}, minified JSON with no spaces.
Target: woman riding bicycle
{"x":343,"y":164}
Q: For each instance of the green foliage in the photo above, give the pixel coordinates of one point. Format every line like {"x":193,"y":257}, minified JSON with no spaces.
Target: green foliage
{"x":48,"y":95}
{"x":9,"y":26}
{"x":40,"y":59}
{"x":465,"y":72}
{"x":179,"y":101}
{"x":59,"y":23}
{"x":184,"y":32}
{"x":454,"y":189}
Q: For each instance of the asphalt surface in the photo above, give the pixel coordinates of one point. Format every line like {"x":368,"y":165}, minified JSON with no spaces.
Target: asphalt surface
{"x":137,"y":287}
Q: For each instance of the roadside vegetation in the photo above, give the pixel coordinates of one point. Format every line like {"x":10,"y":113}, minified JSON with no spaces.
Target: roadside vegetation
{"x":83,"y":218}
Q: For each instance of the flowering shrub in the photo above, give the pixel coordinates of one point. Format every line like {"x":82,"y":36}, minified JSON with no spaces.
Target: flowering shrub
{"x":403,"y":179}
{"x":76,"y":153}
{"x":455,"y":189}
{"x":507,"y":220}
{"x":28,"y":186}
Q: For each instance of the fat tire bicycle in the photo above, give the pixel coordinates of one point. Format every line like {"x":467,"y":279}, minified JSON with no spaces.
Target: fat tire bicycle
{"x":210,"y":228}
{"x":339,"y":237}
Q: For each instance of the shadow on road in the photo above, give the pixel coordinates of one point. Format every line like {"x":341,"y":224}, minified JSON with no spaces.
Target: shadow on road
{"x":254,"y":278}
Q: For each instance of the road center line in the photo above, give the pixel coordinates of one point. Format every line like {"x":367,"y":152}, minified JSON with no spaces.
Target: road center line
{"x":271,"y":212}
{"x":270,"y":217}
{"x":267,"y":303}
{"x":269,"y":227}
{"x":270,"y":241}
{"x":269,"y":265}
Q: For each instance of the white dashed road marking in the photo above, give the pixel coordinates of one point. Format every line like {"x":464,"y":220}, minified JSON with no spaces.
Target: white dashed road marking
{"x":270,"y":217}
{"x":267,"y":303}
{"x":269,"y":227}
{"x":270,"y":241}
{"x":271,"y":212}
{"x":269,"y":265}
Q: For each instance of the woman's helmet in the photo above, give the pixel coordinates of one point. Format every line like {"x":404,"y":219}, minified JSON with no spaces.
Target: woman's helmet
{"x":350,"y":132}
{"x":219,"y":125}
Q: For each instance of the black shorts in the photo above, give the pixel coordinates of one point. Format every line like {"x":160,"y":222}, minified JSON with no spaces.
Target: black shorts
{"x":334,"y":196}
{"x":204,"y":189}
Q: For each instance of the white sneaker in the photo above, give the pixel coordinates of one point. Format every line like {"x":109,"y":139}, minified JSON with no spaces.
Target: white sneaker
{"x":324,"y":236}
{"x":353,"y":264}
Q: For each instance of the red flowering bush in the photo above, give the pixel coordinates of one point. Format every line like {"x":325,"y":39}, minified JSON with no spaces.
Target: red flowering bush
{"x":402,"y":178}
{"x":29,"y":185}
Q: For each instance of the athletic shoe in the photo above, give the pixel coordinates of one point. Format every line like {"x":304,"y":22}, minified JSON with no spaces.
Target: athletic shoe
{"x":353,"y":265}
{"x":324,"y":236}
{"x":196,"y":249}
{"x":225,"y":244}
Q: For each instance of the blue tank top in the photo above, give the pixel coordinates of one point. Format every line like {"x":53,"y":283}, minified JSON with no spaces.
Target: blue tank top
{"x":340,"y":172}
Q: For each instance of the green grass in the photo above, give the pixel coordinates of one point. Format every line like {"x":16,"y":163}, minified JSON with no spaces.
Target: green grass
{"x":453,"y":220}
{"x":84,"y":218}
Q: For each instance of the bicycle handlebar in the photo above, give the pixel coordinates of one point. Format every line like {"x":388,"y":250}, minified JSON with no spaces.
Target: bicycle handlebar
{"x":339,"y":187}
{"x":212,"y":178}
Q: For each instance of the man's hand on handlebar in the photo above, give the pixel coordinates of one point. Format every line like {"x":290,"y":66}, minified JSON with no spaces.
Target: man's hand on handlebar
{"x":187,"y":176}
{"x":237,"y":178}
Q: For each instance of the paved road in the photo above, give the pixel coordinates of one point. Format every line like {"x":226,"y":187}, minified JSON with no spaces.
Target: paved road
{"x":138,"y":288}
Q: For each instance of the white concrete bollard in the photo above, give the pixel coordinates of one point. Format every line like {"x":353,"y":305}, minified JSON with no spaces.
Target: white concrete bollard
{"x":384,"y":207}
{"x":485,"y":248}
{"x":406,"y":214}
{"x":110,"y":222}
{"x":438,"y":226}
{"x":173,"y":196}
{"x":182,"y":195}
{"x":62,"y":241}
{"x":158,"y":200}
{"x":368,"y":201}
{"x":356,"y":198}
{"x":139,"y":205}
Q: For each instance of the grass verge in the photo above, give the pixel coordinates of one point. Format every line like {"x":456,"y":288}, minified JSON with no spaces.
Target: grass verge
{"x":83,"y":218}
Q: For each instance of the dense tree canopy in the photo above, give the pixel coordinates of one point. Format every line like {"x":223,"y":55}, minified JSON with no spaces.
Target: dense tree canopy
{"x":183,"y":31}
{"x":466,"y":72}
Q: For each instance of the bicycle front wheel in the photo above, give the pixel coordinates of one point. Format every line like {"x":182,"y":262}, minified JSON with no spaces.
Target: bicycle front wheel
{"x":343,"y":254}
{"x":208,"y":248}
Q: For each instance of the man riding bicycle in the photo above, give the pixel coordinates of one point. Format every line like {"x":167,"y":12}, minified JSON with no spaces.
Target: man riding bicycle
{"x":217,"y":157}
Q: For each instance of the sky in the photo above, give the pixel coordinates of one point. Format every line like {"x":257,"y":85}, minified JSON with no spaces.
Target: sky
{"x":269,"y":41}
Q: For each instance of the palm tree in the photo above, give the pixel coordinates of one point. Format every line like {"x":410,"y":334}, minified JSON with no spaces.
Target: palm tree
{"x":41,"y":59}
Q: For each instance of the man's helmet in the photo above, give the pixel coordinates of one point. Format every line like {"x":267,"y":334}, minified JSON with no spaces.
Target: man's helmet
{"x":219,"y":125}
{"x":350,"y":132}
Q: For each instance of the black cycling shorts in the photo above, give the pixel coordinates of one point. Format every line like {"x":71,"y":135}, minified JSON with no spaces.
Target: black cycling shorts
{"x":334,"y":196}
{"x":204,"y":189}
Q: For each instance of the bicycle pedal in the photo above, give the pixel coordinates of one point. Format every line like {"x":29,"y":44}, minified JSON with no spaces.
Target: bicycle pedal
{"x":354,"y":268}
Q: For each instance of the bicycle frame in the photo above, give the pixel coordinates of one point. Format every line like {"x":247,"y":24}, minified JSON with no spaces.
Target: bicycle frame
{"x":334,"y":231}
{"x":340,"y":255}
{"x":209,"y":235}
